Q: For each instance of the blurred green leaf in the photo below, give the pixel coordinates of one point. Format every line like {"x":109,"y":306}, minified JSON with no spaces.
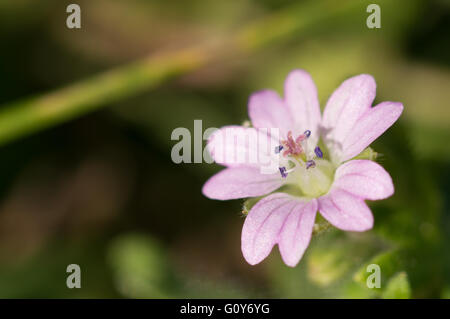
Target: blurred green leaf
{"x":327,"y":266}
{"x":397,"y":287}
{"x":140,"y":268}
{"x":389,"y":264}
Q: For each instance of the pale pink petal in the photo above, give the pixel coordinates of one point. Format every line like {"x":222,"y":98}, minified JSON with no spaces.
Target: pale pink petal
{"x":242,"y":146}
{"x":241,"y":182}
{"x":269,"y":219}
{"x":301,"y":98}
{"x":364,"y":179}
{"x":345,"y":211}
{"x":369,"y":127}
{"x":296,"y":233}
{"x":344,"y":108}
{"x":267,"y":110}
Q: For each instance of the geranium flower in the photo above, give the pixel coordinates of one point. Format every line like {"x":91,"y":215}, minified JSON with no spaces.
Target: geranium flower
{"x":316,"y":171}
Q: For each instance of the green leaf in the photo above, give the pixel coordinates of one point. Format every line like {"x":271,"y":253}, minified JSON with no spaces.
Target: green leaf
{"x":327,"y":266}
{"x":398,"y":287}
{"x":139,"y":267}
{"x":389,"y":263}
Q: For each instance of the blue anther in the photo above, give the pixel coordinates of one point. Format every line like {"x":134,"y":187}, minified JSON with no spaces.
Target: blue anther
{"x":283,"y":171}
{"x":278,"y":149}
{"x":310,"y":163}
{"x":318,"y":152}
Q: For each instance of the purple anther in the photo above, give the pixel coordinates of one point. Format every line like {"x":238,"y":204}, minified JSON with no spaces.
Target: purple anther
{"x":318,"y":152}
{"x":278,"y":149}
{"x":307,"y":133}
{"x":283,"y":171}
{"x":310,"y":163}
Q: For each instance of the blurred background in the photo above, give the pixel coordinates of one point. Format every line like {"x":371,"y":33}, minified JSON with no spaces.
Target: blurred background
{"x":86,"y":117}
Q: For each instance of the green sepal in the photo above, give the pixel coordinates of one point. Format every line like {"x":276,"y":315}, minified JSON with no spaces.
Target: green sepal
{"x":367,"y":154}
{"x":249,"y":203}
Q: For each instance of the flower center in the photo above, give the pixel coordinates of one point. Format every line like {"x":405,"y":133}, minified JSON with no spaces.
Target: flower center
{"x":307,"y":170}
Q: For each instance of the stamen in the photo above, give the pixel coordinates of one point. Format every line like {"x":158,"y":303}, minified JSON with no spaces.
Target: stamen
{"x":278,"y":149}
{"x":310,"y":163}
{"x":318,"y":152}
{"x":307,"y":133}
{"x":283,"y":171}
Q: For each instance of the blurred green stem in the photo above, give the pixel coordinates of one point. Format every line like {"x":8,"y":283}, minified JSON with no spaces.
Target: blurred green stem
{"x":27,"y":116}
{"x":20,"y":118}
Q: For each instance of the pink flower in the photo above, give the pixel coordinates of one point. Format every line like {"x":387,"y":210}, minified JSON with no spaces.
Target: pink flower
{"x":316,"y":170}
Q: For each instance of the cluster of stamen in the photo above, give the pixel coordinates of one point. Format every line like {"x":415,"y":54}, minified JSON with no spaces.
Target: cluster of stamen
{"x":295,"y":150}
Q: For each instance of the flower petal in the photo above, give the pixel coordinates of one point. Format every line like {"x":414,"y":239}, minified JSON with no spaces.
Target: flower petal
{"x":345,"y":211}
{"x":301,"y":98}
{"x":236,"y":146}
{"x":241,"y":182}
{"x":369,"y":127}
{"x":278,"y":218}
{"x":267,"y":110}
{"x":364,"y":179}
{"x":296,"y":233}
{"x":345,"y":106}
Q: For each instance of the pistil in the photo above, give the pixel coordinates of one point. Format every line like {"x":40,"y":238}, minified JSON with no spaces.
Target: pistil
{"x":296,"y":152}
